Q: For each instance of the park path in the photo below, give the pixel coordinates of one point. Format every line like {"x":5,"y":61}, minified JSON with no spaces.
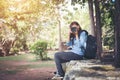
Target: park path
{"x":20,"y":70}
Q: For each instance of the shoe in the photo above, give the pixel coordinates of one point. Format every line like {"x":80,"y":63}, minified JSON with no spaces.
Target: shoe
{"x":55,"y":72}
{"x":57,"y":77}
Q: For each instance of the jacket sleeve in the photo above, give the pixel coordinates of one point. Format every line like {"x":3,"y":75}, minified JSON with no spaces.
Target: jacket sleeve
{"x":83,"y":39}
{"x":69,"y":43}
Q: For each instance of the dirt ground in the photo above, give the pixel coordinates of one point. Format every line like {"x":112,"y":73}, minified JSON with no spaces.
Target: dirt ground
{"x":14,"y":70}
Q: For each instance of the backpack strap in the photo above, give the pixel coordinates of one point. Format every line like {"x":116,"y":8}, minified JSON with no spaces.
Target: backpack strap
{"x":82,"y":47}
{"x":83,"y":31}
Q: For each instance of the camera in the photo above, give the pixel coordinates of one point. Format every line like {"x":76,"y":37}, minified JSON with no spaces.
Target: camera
{"x":73,"y":29}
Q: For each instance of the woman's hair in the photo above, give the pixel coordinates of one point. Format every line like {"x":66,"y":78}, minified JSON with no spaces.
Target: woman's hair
{"x":75,"y":23}
{"x":72,"y":36}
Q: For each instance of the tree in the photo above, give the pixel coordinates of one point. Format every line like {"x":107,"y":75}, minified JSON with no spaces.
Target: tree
{"x":107,"y":22}
{"x":91,"y":13}
{"x":95,"y":24}
{"x":98,"y":29}
{"x":16,"y":15}
{"x":117,"y":33}
{"x":3,"y":10}
{"x":59,"y":4}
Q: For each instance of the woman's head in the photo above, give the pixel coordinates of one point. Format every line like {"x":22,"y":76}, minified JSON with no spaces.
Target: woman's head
{"x":75,"y":28}
{"x":74,"y":25}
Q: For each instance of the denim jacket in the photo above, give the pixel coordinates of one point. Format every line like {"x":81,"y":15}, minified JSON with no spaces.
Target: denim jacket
{"x":79,"y":44}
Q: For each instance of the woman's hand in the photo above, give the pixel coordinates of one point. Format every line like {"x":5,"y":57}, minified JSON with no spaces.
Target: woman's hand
{"x":69,"y":34}
{"x":76,"y":34}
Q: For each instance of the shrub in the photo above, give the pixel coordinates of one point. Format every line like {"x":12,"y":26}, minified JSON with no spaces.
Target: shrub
{"x":39,"y":48}
{"x":14,"y":50}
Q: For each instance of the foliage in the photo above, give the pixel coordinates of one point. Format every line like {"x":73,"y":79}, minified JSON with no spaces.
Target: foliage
{"x":14,"y":50}
{"x":26,"y":21}
{"x":107,"y":15}
{"x":78,"y":1}
{"x":3,"y":6}
{"x":39,"y":48}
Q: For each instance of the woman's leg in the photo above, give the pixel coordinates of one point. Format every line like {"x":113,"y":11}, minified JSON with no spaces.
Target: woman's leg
{"x":62,"y":57}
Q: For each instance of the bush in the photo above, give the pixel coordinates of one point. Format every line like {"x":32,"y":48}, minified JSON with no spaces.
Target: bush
{"x":39,"y":48}
{"x":14,"y":50}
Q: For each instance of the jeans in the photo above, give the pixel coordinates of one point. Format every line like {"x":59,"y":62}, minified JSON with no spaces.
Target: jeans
{"x":62,"y":57}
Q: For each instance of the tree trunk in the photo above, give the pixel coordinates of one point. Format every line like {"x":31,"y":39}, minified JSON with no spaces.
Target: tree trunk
{"x":91,"y":13}
{"x":117,"y":34}
{"x":59,"y":26}
{"x":98,"y":29}
{"x":60,"y":39}
{"x":7,"y":44}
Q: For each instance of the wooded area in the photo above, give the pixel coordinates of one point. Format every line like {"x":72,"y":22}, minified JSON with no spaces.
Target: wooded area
{"x":24,"y":22}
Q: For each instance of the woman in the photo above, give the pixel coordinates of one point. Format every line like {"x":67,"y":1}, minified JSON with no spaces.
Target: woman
{"x":77,"y":43}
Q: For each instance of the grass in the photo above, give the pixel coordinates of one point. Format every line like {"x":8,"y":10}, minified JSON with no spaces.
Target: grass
{"x":22,"y":57}
{"x":25,"y":57}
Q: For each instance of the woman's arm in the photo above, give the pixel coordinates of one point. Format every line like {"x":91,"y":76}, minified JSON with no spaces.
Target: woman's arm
{"x":82,"y":39}
{"x":69,"y":43}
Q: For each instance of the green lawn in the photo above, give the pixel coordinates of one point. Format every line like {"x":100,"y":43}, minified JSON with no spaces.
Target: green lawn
{"x":22,"y":57}
{"x":25,"y":57}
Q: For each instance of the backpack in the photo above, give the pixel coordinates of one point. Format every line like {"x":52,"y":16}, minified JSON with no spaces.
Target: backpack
{"x":91,"y":47}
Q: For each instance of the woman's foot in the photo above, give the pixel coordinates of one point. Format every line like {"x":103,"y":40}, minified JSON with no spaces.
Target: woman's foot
{"x":57,"y":77}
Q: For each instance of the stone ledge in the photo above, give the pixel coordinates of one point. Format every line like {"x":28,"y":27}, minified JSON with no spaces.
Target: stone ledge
{"x":89,"y":70}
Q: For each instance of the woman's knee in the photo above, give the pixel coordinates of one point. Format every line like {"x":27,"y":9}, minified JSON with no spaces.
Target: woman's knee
{"x":56,"y":55}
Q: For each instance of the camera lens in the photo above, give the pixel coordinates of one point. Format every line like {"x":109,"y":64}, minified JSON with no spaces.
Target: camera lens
{"x":73,"y":29}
